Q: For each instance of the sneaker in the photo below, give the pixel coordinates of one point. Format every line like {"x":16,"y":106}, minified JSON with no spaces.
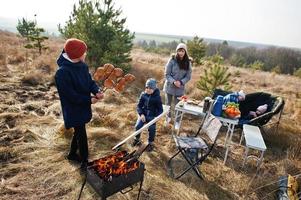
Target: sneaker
{"x":177,"y":125}
{"x":150,"y":147}
{"x":74,"y":157}
{"x":136,"y":143}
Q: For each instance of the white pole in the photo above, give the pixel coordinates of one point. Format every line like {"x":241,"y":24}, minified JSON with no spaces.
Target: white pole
{"x":165,"y":111}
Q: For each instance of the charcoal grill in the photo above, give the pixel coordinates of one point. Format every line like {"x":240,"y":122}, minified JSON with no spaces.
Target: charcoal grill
{"x":114,"y":184}
{"x":108,"y":183}
{"x":108,"y":186}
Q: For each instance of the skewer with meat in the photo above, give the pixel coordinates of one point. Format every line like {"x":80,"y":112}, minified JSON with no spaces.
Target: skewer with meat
{"x":120,"y":85}
{"x":112,"y":77}
{"x":129,"y":78}
{"x":108,"y":84}
{"x":99,"y":74}
{"x":108,"y":70}
{"x":118,"y":72}
{"x":115,"y":75}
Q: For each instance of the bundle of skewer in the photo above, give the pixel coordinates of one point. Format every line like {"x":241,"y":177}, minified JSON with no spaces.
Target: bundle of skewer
{"x":112,"y":78}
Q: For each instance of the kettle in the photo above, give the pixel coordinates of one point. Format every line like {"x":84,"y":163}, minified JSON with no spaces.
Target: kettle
{"x":218,"y":106}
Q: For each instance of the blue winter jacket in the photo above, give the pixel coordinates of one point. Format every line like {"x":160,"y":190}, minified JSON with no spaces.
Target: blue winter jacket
{"x":150,"y":105}
{"x":75,"y":85}
{"x":233,"y":97}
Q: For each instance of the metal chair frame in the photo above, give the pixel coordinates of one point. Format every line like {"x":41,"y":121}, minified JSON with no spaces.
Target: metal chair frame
{"x":199,"y":145}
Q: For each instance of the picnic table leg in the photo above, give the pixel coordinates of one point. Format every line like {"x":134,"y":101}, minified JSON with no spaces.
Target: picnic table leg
{"x":231,"y":133}
{"x":246,"y":156}
{"x":177,"y":115}
{"x":226,"y":155}
{"x":260,"y":159}
{"x":227,"y":135}
{"x":228,"y":140}
{"x":241,"y":137}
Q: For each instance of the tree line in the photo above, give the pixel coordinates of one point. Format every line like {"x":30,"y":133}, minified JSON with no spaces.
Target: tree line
{"x":101,"y":26}
{"x":275,"y":59}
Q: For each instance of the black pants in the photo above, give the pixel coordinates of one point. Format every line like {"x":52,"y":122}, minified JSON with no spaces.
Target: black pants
{"x":79,"y":141}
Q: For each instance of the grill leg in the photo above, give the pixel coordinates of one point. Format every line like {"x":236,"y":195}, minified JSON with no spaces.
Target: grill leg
{"x":141,"y":182}
{"x":82,"y":188}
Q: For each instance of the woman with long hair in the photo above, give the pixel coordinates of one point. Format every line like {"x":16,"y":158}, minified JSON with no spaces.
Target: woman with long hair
{"x":177,"y":74}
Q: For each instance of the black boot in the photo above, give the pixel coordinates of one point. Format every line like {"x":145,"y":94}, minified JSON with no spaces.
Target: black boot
{"x":150,"y":147}
{"x":136,"y":142}
{"x":74,"y":157}
{"x":83,"y":166}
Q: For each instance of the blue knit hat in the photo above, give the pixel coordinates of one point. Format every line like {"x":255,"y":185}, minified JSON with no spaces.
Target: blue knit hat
{"x":151,"y":83}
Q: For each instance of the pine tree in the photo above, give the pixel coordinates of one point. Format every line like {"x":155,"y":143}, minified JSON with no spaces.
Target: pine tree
{"x":37,"y":40}
{"x":33,"y":34}
{"x":196,"y":49}
{"x":99,"y":25}
{"x":215,"y":76}
{"x":26,"y":28}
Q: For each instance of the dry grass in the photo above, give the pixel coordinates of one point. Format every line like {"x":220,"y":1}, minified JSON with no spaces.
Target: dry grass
{"x":33,"y":142}
{"x":33,"y":78}
{"x":3,"y":61}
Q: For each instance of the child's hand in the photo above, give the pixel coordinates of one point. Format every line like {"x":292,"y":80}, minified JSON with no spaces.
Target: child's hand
{"x":142,"y":117}
{"x":99,"y":95}
{"x":94,"y":100}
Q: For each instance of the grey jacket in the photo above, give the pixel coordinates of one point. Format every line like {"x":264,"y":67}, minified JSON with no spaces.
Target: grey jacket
{"x":174,"y":73}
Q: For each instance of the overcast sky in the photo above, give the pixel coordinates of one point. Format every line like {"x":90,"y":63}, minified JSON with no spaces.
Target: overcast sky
{"x":275,"y":22}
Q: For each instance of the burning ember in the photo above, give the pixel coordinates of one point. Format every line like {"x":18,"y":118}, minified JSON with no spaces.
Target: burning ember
{"x":114,"y":165}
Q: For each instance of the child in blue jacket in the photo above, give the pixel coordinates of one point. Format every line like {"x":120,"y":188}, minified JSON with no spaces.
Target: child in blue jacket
{"x":149,"y":107}
{"x":75,"y":85}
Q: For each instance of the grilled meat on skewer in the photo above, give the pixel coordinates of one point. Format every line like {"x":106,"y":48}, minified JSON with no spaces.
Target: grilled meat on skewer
{"x":118,"y":72}
{"x":120,"y":85}
{"x":129,"y":78}
{"x":99,"y":74}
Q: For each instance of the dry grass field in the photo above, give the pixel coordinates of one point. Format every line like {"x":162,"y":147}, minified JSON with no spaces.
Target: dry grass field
{"x":33,"y":145}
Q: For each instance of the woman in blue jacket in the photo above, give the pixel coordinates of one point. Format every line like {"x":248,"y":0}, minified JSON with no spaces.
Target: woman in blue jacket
{"x":149,"y":107}
{"x":75,"y":85}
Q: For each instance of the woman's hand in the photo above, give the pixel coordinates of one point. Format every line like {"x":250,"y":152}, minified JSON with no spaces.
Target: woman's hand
{"x":177,"y":83}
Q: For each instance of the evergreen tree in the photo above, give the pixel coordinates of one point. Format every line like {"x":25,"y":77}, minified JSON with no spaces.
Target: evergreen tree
{"x":99,"y":25}
{"x":215,"y":76}
{"x":298,"y":72}
{"x":26,"y":28}
{"x":196,"y":49}
{"x":142,"y":43}
{"x":33,"y":34}
{"x":257,"y":65}
{"x":152,"y":44}
{"x":37,"y":40}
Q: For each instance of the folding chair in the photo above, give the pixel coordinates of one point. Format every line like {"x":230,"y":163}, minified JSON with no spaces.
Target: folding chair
{"x":196,"y":149}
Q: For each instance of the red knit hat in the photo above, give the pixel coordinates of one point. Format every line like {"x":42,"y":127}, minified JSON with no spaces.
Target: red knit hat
{"x":75,"y":48}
